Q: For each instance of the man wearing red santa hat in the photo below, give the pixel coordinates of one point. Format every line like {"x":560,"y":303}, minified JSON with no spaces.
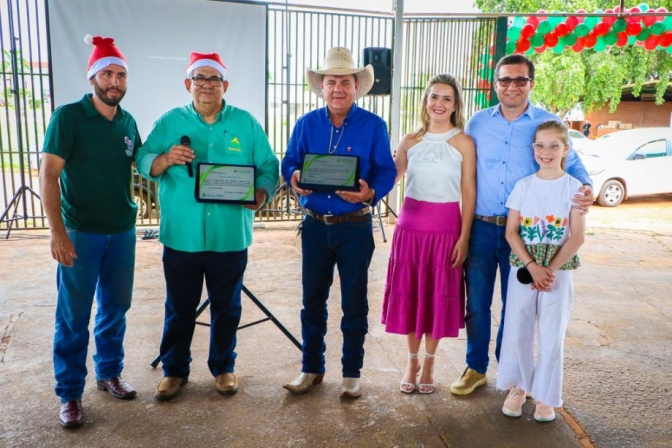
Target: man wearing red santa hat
{"x":89,"y":147}
{"x":205,"y":238}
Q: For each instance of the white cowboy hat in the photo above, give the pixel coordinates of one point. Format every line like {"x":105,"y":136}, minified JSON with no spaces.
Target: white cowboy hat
{"x":338,"y":61}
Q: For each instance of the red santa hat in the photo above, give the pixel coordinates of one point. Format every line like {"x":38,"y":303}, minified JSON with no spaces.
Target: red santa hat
{"x":104,"y":54}
{"x":212,"y":60}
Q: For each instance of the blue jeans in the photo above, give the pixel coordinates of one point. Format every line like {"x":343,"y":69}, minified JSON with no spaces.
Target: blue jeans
{"x":350,"y":247}
{"x":104,"y":266}
{"x":488,"y":249}
{"x":184,"y":273}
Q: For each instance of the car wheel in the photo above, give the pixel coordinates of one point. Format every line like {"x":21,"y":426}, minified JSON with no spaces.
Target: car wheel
{"x":612,"y":194}
{"x":141,"y":199}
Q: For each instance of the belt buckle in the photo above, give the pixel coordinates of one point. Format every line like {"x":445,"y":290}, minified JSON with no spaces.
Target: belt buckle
{"x":325,"y":219}
{"x":500,"y":221}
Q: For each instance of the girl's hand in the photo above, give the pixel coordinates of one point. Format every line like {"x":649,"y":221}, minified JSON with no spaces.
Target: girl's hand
{"x":542,"y":277}
{"x":459,"y":253}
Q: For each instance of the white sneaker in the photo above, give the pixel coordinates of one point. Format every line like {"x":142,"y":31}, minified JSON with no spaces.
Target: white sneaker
{"x":544,"y":413}
{"x":350,"y":387}
{"x":513,"y":405}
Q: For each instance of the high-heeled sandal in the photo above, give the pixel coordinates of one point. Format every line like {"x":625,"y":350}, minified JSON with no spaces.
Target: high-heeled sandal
{"x":405,"y":386}
{"x":427,"y":388}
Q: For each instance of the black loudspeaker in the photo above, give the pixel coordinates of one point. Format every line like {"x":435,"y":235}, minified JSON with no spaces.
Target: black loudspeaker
{"x":381,"y":60}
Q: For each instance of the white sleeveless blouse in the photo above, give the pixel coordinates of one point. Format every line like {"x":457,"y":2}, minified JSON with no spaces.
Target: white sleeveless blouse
{"x":434,"y":169}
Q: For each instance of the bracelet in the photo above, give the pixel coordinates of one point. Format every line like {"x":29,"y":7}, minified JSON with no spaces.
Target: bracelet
{"x":528,"y":263}
{"x":368,"y":203}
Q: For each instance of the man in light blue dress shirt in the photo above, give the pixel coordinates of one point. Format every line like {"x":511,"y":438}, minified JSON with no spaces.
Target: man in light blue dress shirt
{"x":503,"y":135}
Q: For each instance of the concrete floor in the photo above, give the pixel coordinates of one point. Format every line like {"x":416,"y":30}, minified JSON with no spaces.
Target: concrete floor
{"x":618,"y":385}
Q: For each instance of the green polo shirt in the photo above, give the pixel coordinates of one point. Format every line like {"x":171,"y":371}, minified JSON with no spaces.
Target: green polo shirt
{"x":96,"y":179}
{"x":235,"y":138}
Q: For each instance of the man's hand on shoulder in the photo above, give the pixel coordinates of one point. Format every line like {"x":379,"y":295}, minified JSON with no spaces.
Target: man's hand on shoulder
{"x":584,"y":200}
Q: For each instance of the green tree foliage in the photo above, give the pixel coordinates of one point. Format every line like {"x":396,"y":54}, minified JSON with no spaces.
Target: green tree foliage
{"x":593,"y":78}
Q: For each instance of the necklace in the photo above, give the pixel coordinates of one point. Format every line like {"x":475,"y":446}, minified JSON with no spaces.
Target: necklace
{"x":331,"y":139}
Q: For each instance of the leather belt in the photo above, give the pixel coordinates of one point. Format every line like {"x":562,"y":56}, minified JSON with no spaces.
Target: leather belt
{"x":497,"y":220}
{"x":362,"y":215}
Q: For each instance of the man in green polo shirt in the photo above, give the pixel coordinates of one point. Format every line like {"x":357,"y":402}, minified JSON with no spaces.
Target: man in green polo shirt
{"x":89,"y":147}
{"x":204,"y":239}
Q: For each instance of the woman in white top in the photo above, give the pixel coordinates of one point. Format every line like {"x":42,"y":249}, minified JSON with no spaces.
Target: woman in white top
{"x":424,"y":293}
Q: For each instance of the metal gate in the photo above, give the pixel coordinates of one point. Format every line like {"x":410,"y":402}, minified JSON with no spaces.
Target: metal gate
{"x":297,"y":38}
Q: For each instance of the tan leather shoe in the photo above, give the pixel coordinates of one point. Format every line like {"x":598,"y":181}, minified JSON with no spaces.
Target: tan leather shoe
{"x":169,"y":387}
{"x":227,"y":383}
{"x":304,"y":382}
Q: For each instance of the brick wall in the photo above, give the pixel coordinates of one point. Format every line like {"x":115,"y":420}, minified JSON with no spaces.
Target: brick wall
{"x":641,"y":114}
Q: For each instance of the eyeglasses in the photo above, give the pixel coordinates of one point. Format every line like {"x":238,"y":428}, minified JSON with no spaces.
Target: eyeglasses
{"x":520,"y":81}
{"x":552,"y":146}
{"x":214,"y":81}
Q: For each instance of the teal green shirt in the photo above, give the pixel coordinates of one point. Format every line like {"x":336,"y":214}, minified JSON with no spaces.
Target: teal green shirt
{"x":96,"y":178}
{"x":234,"y":138}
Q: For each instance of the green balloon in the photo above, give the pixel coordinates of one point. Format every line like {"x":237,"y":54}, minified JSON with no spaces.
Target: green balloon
{"x":537,"y":40}
{"x":669,"y":49}
{"x":600,"y":45}
{"x":485,"y":72}
{"x":643,"y":7}
{"x":620,"y":25}
{"x":559,"y":48}
{"x":632,"y":40}
{"x":667,"y":21}
{"x":513,"y":33}
{"x":611,"y":38}
{"x":554,"y":21}
{"x":657,"y":28}
{"x":519,"y":22}
{"x":590,"y":22}
{"x":510,"y":47}
{"x":581,"y":30}
{"x":570,"y":39}
{"x":485,"y":59}
{"x":644,"y":34}
{"x":544,"y":27}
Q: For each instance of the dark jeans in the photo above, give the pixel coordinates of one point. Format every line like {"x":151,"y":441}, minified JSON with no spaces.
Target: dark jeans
{"x":488,"y":250}
{"x":350,"y":247}
{"x":184,"y":273}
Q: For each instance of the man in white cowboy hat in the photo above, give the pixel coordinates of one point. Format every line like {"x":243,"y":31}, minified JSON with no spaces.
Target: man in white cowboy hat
{"x":337,"y":229}
{"x":204,"y":239}
{"x":84,"y":181}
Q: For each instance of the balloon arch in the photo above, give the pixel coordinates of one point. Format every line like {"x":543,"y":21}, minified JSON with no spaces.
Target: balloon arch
{"x":650,"y":28}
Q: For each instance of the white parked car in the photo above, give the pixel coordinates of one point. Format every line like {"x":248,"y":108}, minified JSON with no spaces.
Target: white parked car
{"x":630,"y":163}
{"x":580,"y":142}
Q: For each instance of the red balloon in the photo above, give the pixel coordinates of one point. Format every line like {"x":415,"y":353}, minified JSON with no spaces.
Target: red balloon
{"x":622,"y":40}
{"x":652,"y":42}
{"x":666,"y":39}
{"x":590,"y":40}
{"x":609,"y":20}
{"x":534,"y":21}
{"x":484,"y":84}
{"x":633,"y":29}
{"x":661,"y":10}
{"x":617,"y":9}
{"x":601,"y":29}
{"x":527,"y":31}
{"x":578,"y":47}
{"x":571,"y":23}
{"x":581,"y":11}
{"x":561,"y":30}
{"x":540,"y":49}
{"x":523,"y":45}
{"x":649,"y":19}
{"x":551,"y":39}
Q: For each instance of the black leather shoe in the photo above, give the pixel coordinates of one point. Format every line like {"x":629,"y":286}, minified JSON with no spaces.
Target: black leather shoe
{"x":117,"y":388}
{"x":72,"y":414}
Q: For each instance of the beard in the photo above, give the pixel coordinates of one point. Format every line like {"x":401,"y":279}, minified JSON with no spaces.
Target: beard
{"x":102,"y":94}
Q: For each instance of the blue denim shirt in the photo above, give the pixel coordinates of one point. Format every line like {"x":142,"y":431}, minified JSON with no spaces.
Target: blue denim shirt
{"x":504,"y":155}
{"x":363,"y":134}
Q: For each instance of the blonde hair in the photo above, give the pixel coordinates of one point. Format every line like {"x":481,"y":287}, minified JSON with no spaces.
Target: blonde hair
{"x":560,"y":129}
{"x":456,"y":118}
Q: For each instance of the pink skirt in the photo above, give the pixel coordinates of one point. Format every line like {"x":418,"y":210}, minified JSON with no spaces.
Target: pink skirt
{"x":423,"y":293}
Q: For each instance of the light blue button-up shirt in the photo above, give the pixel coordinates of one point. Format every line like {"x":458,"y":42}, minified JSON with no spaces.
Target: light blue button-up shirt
{"x":504,"y":155}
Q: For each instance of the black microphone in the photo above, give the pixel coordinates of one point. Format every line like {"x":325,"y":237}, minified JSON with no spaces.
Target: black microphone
{"x":186,"y":141}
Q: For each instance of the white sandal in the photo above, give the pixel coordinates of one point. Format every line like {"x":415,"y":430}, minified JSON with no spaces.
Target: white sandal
{"x":405,"y":386}
{"x":427,"y":388}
